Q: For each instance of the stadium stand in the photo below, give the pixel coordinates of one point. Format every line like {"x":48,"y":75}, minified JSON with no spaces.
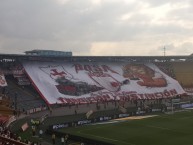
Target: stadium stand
{"x":31,"y":82}
{"x":184,"y":73}
{"x":167,"y":68}
{"x":9,"y":138}
{"x":25,"y":97}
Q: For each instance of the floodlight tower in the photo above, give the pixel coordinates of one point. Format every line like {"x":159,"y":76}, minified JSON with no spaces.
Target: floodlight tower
{"x":164,"y":51}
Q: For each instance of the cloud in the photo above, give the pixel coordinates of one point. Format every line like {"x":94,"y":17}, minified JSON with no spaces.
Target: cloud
{"x":183,"y":48}
{"x":123,"y":48}
{"x":62,"y":2}
{"x":96,"y":27}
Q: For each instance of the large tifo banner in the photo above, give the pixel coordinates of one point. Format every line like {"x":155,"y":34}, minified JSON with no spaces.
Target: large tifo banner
{"x":84,"y":82}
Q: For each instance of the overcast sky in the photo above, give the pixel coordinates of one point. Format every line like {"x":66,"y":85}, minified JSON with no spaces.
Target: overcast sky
{"x":97,"y":27}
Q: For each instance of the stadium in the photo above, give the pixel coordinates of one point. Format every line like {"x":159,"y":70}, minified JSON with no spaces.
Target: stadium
{"x":50,"y":97}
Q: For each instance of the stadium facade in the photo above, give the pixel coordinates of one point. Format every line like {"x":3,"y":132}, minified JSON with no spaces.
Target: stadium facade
{"x":34,"y":83}
{"x":83,"y":75}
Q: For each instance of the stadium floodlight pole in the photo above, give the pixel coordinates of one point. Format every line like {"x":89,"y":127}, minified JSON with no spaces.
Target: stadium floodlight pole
{"x":172,"y":107}
{"x":15,"y":103}
{"x":164,"y":51}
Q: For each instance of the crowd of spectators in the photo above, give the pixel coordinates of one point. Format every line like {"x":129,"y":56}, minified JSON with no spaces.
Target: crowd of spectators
{"x":9,"y":138}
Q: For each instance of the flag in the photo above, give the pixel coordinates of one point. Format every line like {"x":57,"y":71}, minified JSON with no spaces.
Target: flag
{"x":89,"y":113}
{"x":3,"y":82}
{"x":122,"y":109}
{"x":25,"y":126}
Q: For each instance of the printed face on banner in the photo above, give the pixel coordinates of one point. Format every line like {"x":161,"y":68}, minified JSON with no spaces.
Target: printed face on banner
{"x":144,"y":74}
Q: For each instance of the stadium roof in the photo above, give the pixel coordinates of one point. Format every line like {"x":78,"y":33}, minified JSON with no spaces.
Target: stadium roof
{"x":21,"y":57}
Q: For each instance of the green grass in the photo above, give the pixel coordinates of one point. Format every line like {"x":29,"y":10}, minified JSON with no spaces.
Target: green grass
{"x":175,"y":129}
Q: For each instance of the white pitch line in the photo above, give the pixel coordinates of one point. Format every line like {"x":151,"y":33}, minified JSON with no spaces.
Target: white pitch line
{"x":181,"y":118}
{"x":163,"y":128}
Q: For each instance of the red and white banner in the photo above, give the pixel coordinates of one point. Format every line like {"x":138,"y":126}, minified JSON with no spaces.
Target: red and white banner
{"x":65,"y":82}
{"x":25,"y":126}
{"x":3,"y":82}
{"x":89,"y":113}
{"x":189,"y":91}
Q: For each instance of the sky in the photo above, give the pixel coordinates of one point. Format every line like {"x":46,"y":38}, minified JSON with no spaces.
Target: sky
{"x":97,"y":27}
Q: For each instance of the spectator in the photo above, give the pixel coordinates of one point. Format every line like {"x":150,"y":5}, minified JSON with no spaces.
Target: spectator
{"x":40,"y":133}
{"x":66,"y":139}
{"x":62,"y":140}
{"x":53,"y":138}
{"x":33,"y":131}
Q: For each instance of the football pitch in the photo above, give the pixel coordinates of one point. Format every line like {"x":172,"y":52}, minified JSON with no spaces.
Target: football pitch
{"x":165,"y":129}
